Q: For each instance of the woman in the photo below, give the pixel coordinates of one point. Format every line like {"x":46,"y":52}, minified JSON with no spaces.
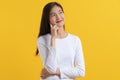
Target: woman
{"x":61,"y":52}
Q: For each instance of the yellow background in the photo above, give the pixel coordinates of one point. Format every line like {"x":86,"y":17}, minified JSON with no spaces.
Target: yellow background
{"x":96,"y":22}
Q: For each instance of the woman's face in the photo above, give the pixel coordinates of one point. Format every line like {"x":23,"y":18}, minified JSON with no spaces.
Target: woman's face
{"x":57,"y":16}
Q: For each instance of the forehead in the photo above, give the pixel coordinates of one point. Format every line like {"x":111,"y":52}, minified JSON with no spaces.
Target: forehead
{"x":55,"y":9}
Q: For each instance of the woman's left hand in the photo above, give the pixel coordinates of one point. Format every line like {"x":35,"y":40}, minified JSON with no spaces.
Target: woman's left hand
{"x":44,"y":73}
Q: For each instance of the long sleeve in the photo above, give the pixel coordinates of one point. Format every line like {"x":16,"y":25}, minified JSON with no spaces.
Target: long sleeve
{"x":79,"y":69}
{"x":48,"y":55}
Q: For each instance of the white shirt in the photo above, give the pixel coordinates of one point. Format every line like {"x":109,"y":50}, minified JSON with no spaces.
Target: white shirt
{"x":67,"y":55}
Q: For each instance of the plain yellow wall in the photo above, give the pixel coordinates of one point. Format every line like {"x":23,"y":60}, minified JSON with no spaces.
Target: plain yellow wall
{"x":96,"y":22}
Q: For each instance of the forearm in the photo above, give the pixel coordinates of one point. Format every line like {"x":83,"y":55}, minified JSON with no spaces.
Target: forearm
{"x":52,"y":42}
{"x":56,"y":73}
{"x":51,"y":64}
{"x":72,"y":72}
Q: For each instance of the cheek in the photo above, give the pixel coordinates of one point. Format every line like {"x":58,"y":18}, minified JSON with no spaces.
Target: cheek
{"x":62,"y":17}
{"x":52,"y":20}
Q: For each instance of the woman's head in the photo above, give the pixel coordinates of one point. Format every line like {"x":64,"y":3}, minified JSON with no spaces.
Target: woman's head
{"x":52,"y":14}
{"x":56,"y":16}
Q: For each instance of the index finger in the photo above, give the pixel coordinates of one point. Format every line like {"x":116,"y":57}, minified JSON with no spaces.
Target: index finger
{"x":51,"y":25}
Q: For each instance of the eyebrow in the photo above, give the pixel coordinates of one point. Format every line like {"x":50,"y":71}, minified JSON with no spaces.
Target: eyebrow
{"x":54,"y":12}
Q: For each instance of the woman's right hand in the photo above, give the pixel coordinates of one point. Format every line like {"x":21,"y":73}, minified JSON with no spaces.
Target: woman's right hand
{"x":54,"y":29}
{"x":53,"y":34}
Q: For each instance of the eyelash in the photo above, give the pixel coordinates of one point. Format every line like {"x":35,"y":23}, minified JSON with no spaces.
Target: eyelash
{"x":55,"y":14}
{"x":60,"y":12}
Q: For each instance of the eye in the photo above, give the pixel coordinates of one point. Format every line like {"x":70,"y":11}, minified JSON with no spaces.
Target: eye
{"x":60,"y":12}
{"x":53,"y":14}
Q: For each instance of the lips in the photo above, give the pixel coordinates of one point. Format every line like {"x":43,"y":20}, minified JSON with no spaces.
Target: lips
{"x":58,"y":21}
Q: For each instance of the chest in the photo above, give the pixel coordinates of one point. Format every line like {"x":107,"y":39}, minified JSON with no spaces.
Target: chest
{"x":65,"y":51}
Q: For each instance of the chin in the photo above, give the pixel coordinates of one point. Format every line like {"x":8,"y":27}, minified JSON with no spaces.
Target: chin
{"x":60,"y":25}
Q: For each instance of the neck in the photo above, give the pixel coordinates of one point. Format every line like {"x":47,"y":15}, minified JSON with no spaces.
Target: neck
{"x":61,"y":33}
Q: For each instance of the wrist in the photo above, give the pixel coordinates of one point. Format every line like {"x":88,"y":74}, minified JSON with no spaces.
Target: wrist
{"x":52,"y":37}
{"x":58,"y":72}
{"x":52,"y":42}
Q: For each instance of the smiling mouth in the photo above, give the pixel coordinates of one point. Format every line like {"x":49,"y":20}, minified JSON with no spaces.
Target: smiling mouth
{"x":59,"y":21}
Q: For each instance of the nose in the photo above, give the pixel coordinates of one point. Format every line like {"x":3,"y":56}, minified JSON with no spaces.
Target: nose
{"x":58,"y":17}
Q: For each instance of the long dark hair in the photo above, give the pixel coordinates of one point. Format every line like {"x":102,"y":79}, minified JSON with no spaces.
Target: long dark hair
{"x":44,"y":25}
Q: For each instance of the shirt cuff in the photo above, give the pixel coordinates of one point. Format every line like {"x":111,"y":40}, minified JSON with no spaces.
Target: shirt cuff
{"x":62,"y":75}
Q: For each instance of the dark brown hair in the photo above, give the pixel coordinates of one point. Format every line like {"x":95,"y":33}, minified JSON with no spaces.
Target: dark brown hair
{"x":44,"y":25}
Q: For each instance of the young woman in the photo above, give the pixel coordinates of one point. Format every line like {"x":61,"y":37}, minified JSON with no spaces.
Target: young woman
{"x":61,"y":52}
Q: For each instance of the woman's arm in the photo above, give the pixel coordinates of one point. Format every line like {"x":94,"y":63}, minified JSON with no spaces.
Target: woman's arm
{"x":44,"y":73}
{"x":79,"y":69}
{"x":48,"y":52}
{"x":48,"y":55}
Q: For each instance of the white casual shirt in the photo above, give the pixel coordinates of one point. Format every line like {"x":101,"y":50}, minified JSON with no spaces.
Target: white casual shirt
{"x":67,"y":55}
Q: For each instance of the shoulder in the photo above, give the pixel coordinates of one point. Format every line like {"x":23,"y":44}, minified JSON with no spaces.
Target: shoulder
{"x":74,"y":37}
{"x":43,"y":39}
